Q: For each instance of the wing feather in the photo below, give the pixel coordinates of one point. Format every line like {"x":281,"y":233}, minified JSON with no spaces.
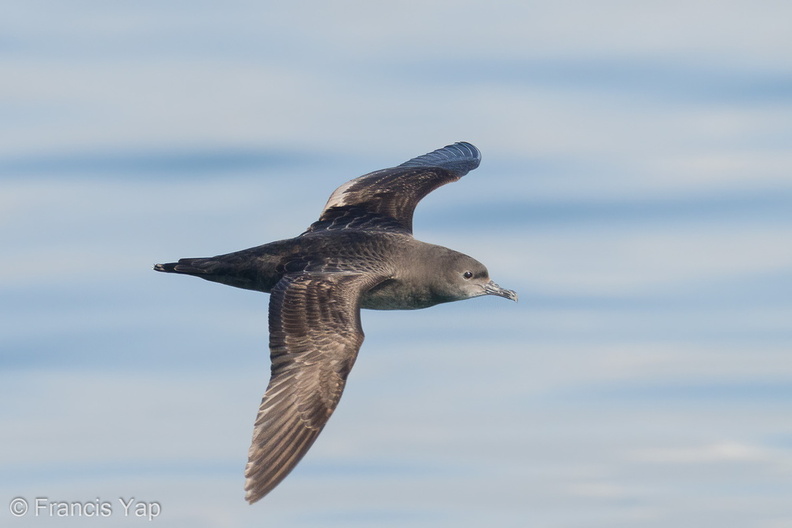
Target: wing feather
{"x":385,"y":200}
{"x":315,"y":335}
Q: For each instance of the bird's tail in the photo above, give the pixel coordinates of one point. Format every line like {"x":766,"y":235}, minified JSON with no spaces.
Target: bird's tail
{"x":188,"y":266}
{"x":223,"y":269}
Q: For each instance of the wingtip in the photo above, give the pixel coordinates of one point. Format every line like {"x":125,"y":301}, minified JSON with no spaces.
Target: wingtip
{"x":466,"y":149}
{"x":460,"y":157}
{"x":473,"y":151}
{"x":253,"y":493}
{"x":250,"y":499}
{"x":250,"y":495}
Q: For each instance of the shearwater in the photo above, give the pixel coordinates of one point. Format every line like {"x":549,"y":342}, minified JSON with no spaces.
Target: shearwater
{"x":359,"y":254}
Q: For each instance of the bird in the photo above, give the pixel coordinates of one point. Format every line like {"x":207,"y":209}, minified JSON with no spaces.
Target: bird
{"x":360,"y":253}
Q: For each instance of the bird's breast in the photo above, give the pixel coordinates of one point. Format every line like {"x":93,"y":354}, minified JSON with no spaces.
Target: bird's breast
{"x":397,"y":295}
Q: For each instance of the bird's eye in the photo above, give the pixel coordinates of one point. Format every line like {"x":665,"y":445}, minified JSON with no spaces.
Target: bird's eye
{"x":468,"y":275}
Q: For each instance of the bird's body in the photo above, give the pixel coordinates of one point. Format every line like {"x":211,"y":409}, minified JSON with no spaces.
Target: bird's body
{"x":359,"y":254}
{"x":393,"y":256}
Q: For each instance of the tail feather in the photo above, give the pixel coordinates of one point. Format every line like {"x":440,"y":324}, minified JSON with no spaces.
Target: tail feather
{"x":167,"y":268}
{"x":188,"y":266}
{"x":221,"y":269}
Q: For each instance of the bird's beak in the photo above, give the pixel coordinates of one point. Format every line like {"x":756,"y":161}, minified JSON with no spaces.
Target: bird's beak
{"x":493,"y":289}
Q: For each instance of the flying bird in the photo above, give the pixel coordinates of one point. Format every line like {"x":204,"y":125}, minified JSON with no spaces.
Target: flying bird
{"x":359,"y":254}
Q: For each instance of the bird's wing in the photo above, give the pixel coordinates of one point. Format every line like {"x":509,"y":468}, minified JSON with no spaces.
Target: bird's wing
{"x":315,"y":335}
{"x":384,"y":200}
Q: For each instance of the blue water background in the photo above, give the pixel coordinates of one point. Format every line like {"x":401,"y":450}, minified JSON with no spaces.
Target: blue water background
{"x":635,"y":189}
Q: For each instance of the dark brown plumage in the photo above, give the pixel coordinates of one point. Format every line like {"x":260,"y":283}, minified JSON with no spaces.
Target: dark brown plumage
{"x":359,"y":254}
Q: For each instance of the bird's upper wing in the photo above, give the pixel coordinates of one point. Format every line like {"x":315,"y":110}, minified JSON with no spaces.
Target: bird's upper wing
{"x":315,"y":334}
{"x":384,"y":200}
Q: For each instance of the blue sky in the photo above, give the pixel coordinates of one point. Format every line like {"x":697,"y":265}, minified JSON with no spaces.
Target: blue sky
{"x":635,"y":190}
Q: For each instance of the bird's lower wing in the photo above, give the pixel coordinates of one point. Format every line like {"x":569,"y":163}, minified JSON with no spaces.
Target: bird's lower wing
{"x":315,"y":335}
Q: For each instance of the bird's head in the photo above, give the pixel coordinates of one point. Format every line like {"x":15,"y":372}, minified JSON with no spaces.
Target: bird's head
{"x":463,"y":277}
